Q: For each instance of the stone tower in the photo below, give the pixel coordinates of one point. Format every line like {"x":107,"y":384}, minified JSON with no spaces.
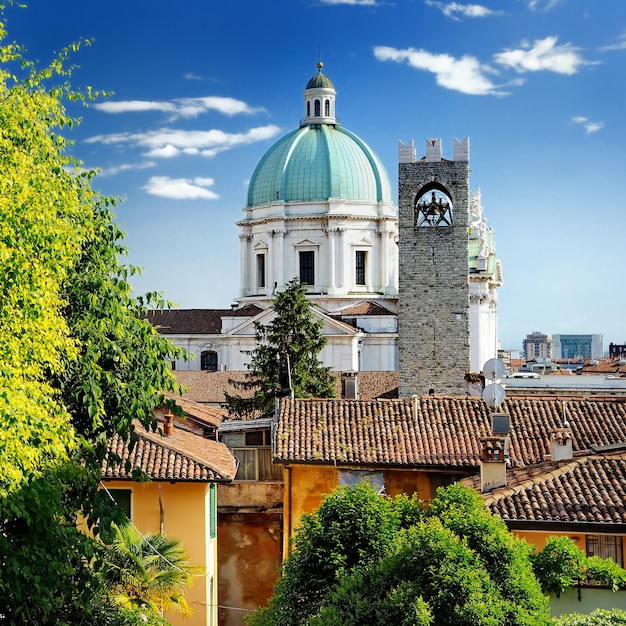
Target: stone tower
{"x":433,"y":320}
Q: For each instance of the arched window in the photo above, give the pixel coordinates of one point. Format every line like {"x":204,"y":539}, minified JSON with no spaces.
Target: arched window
{"x":308,"y":108}
{"x":433,"y":206}
{"x":318,"y":108}
{"x":327,"y":108}
{"x":208,"y":361}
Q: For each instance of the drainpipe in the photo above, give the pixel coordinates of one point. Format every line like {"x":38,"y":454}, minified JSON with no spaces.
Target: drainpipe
{"x":287,"y":511}
{"x":161,"y":510}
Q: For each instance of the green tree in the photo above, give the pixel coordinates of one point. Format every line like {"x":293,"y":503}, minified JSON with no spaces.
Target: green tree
{"x":454,"y":564}
{"x":147,"y":571}
{"x":78,"y":362}
{"x":354,"y":526}
{"x":286,"y":354}
{"x":561,"y":564}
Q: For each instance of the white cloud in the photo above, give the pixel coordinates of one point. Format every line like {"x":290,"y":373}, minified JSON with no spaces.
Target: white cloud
{"x":364,"y":3}
{"x":619,"y":45}
{"x":168,"y":142}
{"x":125,"y":167}
{"x":134,"y":106}
{"x":466,"y":74}
{"x":589,"y":126}
{"x":542,"y":5}
{"x":544,"y":55}
{"x":181,"y":188}
{"x":181,"y":107}
{"x":451,"y":9}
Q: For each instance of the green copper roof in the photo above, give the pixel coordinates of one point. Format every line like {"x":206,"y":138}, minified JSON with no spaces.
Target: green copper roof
{"x":320,"y":81}
{"x":319,"y":162}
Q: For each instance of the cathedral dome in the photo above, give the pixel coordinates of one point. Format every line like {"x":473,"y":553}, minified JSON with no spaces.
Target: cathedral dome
{"x":319,"y":162}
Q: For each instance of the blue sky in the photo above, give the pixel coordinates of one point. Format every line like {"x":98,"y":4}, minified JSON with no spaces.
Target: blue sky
{"x":202,"y":88}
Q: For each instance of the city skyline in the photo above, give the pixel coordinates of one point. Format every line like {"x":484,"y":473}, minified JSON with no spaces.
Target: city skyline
{"x":202,"y":90}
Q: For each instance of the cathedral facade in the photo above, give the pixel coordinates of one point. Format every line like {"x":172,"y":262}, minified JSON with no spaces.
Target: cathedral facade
{"x":320,"y":208}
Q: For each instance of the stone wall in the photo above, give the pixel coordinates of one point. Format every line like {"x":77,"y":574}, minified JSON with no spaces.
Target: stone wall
{"x":433,"y":319}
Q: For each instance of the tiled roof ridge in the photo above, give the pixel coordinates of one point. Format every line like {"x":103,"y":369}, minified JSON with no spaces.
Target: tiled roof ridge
{"x":169,"y":444}
{"x":562,"y":468}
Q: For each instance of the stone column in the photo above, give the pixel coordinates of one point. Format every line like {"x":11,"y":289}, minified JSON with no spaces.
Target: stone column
{"x":244,"y":263}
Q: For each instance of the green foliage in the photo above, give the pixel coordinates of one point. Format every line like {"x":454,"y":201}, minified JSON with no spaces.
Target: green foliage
{"x":293,"y":336}
{"x":599,"y":617}
{"x":605,"y":572}
{"x":147,"y":572}
{"x":559,"y":565}
{"x":505,"y":558}
{"x":452,"y":564}
{"x":78,"y":361}
{"x":354,"y":526}
{"x":562,"y":564}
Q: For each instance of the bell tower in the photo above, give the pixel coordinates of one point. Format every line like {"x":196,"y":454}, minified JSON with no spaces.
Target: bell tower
{"x":433,"y":305}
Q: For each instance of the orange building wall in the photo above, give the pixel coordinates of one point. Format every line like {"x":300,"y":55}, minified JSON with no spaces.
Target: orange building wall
{"x":538,"y":539}
{"x":249,"y":558}
{"x":185,"y":516}
{"x":306,"y":485}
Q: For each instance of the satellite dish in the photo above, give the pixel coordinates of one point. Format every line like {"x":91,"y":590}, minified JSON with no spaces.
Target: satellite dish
{"x":493,"y":369}
{"x":494,"y":395}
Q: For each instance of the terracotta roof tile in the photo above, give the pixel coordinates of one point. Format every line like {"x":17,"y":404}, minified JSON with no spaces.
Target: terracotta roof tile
{"x":365,"y":308}
{"x":198,"y":412}
{"x":184,"y":457}
{"x":437,"y":430}
{"x":196,"y":321}
{"x":587,"y":489}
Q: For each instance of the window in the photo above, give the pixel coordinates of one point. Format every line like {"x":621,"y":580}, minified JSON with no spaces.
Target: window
{"x":606,"y":547}
{"x":354,"y":477}
{"x":308,"y":108}
{"x":307,"y":267}
{"x":260,"y":270}
{"x":318,"y":109}
{"x":327,"y":108}
{"x":122,"y":498}
{"x":208,"y":361}
{"x":255,"y":455}
{"x":360,"y":264}
{"x":213,"y":511}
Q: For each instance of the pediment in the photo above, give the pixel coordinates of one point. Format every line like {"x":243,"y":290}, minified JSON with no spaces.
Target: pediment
{"x":331,"y":327}
{"x":305,"y":243}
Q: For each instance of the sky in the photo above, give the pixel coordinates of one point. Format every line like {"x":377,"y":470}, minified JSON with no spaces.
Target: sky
{"x":199,"y":90}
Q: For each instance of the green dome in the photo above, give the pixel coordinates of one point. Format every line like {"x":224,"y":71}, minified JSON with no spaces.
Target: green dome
{"x":320,"y":81}
{"x":318,"y":162}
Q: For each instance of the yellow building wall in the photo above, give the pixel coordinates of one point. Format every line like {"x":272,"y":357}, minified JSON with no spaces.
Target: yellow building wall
{"x":185,"y":515}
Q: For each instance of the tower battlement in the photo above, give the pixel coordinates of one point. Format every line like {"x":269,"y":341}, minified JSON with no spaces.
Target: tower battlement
{"x":433,"y":153}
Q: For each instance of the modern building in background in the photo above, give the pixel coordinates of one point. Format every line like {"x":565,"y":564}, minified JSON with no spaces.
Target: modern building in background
{"x":577,"y":346}
{"x":537,"y":346}
{"x":617,"y":350}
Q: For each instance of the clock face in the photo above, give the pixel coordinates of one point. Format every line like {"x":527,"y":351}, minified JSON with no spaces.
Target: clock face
{"x":433,"y":208}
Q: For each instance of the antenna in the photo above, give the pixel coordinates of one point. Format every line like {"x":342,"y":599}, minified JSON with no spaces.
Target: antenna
{"x":493,"y":393}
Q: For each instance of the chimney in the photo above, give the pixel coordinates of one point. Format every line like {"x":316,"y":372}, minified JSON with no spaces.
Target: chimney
{"x":168,"y":425}
{"x":561,"y":443}
{"x":492,"y":463}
